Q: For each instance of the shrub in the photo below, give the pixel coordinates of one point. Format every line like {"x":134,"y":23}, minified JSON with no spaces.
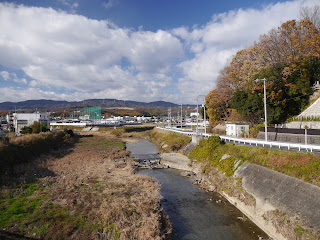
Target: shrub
{"x":26,"y":130}
{"x":37,"y":128}
{"x":117,"y":132}
{"x":25,"y":148}
{"x":34,"y":128}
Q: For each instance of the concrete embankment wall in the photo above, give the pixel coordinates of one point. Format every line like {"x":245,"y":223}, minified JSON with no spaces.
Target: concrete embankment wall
{"x":293,"y":138}
{"x":302,"y":124}
{"x":282,"y":192}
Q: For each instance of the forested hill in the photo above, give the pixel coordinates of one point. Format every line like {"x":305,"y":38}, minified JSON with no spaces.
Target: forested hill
{"x":106,"y":103}
{"x":288,"y":58}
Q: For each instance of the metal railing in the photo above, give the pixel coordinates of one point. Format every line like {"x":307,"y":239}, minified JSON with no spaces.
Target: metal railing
{"x":188,"y":133}
{"x":257,"y":142}
{"x":252,"y":142}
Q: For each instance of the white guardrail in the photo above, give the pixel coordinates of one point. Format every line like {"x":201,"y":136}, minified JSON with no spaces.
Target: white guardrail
{"x":252,"y":142}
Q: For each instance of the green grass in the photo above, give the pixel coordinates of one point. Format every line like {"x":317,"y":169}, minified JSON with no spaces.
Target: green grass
{"x":211,"y":151}
{"x":173,"y":141}
{"x":31,"y":213}
{"x":299,"y":230}
{"x":21,"y":207}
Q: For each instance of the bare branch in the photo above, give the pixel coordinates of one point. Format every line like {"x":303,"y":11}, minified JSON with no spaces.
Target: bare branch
{"x":312,"y":14}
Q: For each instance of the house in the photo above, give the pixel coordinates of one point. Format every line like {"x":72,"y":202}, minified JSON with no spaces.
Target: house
{"x":17,"y":121}
{"x":237,"y":129}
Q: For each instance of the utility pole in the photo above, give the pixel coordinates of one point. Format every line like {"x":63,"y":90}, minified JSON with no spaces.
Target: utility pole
{"x":181,"y":115}
{"x":169,"y":117}
{"x":204,"y":112}
{"x":197,"y":114}
{"x":204,"y":118}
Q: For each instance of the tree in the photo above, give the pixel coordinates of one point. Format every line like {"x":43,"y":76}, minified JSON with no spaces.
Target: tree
{"x":288,"y":57}
{"x":312,"y":14}
{"x":26,"y":130}
{"x":36,"y":128}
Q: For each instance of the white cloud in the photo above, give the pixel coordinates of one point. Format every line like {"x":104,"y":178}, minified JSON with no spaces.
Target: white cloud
{"x":110,"y":3}
{"x":5,"y":75}
{"x":12,"y":77}
{"x":217,"y":41}
{"x":96,"y":59}
{"x":57,"y":49}
{"x":12,"y":94}
{"x":154,"y":52}
{"x":72,"y":5}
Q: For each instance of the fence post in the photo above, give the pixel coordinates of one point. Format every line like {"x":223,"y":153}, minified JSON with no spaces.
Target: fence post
{"x":305,"y":135}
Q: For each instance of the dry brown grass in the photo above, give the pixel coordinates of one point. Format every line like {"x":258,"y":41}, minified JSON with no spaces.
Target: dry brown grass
{"x":297,"y":160}
{"x":25,"y":149}
{"x":95,"y":182}
{"x":291,"y":227}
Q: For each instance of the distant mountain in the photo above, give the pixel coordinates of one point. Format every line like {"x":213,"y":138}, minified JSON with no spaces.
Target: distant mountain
{"x":104,"y":103}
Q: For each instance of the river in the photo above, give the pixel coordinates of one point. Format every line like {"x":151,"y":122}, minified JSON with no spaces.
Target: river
{"x":195,"y":213}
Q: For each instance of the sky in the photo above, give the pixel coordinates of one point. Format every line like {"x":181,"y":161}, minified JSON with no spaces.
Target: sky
{"x":141,"y":50}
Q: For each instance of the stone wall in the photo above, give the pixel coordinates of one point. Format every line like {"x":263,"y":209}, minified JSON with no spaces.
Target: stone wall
{"x":312,"y":111}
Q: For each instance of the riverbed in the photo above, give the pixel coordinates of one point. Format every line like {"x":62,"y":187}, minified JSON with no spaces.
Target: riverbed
{"x":195,"y":213}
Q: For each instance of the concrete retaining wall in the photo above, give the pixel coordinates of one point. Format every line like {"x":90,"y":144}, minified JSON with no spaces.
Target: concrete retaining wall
{"x":293,"y":138}
{"x":302,"y":124}
{"x":283,"y":192}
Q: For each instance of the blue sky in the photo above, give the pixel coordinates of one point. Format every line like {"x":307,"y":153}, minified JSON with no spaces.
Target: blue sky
{"x":144,"y":50}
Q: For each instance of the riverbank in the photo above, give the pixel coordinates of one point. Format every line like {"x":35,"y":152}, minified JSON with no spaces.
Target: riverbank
{"x":216,"y":182}
{"x":87,"y":190}
{"x":217,"y":168}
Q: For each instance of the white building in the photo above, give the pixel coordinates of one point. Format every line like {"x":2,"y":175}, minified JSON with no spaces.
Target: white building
{"x":195,"y":114}
{"x":237,"y":129}
{"x":19,"y":120}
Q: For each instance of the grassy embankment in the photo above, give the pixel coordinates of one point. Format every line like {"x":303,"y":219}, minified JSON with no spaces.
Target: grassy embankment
{"x":168,"y":141}
{"x":87,"y":190}
{"x":209,"y":152}
{"x":306,"y":167}
{"x":219,"y":173}
{"x":299,"y":165}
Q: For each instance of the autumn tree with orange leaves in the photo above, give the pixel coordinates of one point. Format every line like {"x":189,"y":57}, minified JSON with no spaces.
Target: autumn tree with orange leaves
{"x":288,"y":57}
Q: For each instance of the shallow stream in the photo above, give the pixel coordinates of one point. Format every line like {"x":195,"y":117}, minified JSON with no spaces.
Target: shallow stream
{"x":195,"y":213}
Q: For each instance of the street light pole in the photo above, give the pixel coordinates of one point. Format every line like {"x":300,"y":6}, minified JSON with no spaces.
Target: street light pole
{"x":265,"y":108}
{"x":196,"y":99}
{"x":197,"y":116}
{"x":204,"y":113}
{"x":181,"y":116}
{"x":205,"y":124}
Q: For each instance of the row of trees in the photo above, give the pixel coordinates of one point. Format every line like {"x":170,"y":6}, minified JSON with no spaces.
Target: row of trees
{"x":34,"y":128}
{"x":288,"y":57}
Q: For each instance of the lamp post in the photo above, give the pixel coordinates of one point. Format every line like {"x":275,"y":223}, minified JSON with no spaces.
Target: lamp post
{"x":181,"y":116}
{"x":197,"y":115}
{"x":169,"y":117}
{"x":204,"y":113}
{"x":204,"y":118}
{"x":265,"y":108}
